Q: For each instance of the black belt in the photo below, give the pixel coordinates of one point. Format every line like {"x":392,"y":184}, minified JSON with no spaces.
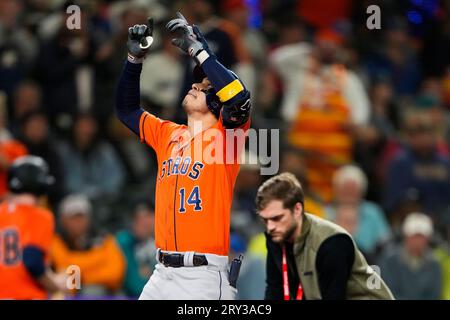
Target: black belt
{"x":176,"y":260}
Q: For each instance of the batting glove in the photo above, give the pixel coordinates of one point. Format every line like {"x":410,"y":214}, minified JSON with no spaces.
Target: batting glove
{"x":140,"y":38}
{"x":187,"y":40}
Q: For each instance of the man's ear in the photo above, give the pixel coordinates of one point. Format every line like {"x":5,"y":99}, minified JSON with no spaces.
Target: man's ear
{"x":298,"y":209}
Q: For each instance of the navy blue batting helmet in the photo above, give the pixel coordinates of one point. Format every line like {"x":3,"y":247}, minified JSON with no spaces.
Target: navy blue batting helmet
{"x":29,"y":174}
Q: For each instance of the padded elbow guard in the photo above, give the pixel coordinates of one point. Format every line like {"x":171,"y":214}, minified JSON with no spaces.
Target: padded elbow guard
{"x":237,"y":113}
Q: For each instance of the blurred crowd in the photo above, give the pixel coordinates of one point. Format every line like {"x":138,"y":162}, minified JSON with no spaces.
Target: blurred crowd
{"x":363,"y":114}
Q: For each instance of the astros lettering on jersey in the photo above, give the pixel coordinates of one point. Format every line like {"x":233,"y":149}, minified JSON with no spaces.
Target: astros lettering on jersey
{"x":194,"y":196}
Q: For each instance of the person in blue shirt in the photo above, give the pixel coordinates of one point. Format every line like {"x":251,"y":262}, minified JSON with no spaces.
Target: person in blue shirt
{"x":138,"y":246}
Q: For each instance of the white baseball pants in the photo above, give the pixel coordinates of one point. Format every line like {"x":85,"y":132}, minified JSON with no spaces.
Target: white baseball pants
{"x":191,"y":283}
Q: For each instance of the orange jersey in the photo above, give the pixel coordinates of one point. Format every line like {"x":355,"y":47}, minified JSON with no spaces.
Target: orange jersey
{"x":193,"y":192}
{"x":20,"y":226}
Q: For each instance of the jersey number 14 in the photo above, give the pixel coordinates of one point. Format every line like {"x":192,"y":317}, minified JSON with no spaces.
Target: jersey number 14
{"x":192,"y":200}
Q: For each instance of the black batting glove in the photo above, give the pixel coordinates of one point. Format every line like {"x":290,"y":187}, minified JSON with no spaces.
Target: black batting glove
{"x":140,"y":38}
{"x":187,"y":40}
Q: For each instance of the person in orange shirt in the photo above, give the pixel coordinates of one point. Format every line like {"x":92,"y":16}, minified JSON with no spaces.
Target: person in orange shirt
{"x":26,"y":231}
{"x":98,"y":257}
{"x":197,"y":169}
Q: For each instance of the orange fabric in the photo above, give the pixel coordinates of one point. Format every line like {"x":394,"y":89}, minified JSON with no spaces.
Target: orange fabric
{"x":193,"y":197}
{"x":22,"y":225}
{"x":103,"y":264}
{"x":10,"y":150}
{"x":322,"y":131}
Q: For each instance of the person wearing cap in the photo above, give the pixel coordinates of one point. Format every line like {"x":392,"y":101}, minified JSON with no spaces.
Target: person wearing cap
{"x":411,"y":270}
{"x":98,"y":256}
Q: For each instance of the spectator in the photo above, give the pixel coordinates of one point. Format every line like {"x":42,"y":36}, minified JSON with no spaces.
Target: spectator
{"x":373,"y":139}
{"x":238,"y":12}
{"x":90,"y":163}
{"x":35,"y":135}
{"x":411,"y":270}
{"x":420,"y":167}
{"x":397,"y":58}
{"x":364,"y":219}
{"x":138,"y":247}
{"x":10,"y":149}
{"x":99,"y":257}
{"x":27,"y":98}
{"x":139,"y":159}
{"x":324,"y":103}
{"x":65,"y":83}
{"x":346,"y":216}
{"x":18,"y":48}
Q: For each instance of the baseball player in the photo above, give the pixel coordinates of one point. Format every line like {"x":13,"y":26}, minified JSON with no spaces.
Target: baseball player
{"x":193,"y":196}
{"x":26,"y":231}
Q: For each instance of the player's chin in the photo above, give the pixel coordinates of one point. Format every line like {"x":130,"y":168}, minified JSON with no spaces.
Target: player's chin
{"x":187,"y":102}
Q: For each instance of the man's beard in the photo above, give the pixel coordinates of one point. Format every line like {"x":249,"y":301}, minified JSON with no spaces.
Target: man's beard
{"x":288,"y":234}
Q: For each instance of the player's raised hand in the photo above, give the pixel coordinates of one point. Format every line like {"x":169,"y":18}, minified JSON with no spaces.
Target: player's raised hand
{"x":179,"y":23}
{"x":201,"y":38}
{"x":186,"y":39}
{"x":140,"y":38}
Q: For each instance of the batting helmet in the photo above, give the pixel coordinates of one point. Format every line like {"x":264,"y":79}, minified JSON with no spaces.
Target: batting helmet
{"x":29,"y":174}
{"x":212,"y":101}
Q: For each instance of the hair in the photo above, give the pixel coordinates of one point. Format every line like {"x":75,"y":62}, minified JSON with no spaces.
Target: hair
{"x":284,"y":187}
{"x":351,"y":172}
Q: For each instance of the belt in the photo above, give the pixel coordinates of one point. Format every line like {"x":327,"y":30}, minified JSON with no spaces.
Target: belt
{"x":176,"y":260}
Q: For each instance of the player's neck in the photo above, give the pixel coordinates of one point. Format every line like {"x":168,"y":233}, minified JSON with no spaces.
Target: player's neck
{"x":198,"y":122}
{"x":26,"y":199}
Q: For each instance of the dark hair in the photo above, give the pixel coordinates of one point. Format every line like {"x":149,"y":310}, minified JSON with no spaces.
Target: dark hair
{"x":284,"y":187}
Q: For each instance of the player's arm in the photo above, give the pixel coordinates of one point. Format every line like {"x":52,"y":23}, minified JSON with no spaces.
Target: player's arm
{"x":230,"y":90}
{"x":128,"y":108}
{"x":34,"y":262}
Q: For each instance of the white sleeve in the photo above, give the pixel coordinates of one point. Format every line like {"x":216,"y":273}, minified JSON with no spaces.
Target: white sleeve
{"x":290,"y":62}
{"x":357,"y":98}
{"x":289,"y":58}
